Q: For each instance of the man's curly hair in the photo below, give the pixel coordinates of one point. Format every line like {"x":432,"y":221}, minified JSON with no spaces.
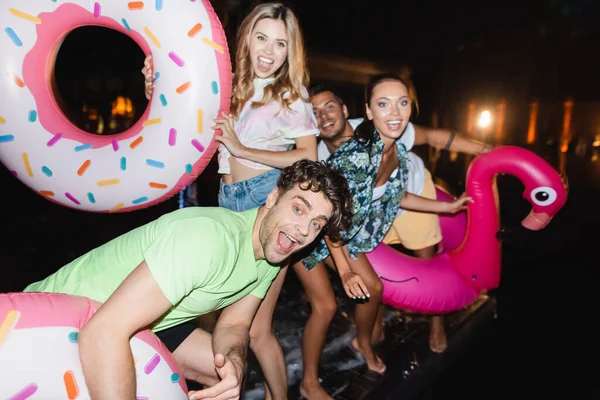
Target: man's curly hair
{"x":321,"y":177}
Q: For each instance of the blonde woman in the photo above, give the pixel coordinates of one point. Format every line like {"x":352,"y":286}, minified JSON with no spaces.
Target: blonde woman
{"x":270,"y":126}
{"x":270,"y":108}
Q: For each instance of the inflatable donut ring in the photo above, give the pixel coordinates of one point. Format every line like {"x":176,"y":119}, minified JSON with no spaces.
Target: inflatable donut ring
{"x":163,"y":152}
{"x":39,"y":352}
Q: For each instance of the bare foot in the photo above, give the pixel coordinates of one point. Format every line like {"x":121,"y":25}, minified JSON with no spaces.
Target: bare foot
{"x":375,"y":363}
{"x":313,"y":392}
{"x":438,"y":342}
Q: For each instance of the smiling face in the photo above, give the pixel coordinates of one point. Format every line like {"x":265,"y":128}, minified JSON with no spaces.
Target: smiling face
{"x":293,"y":221}
{"x":389,"y":108}
{"x":331,"y":115}
{"x":268,"y":47}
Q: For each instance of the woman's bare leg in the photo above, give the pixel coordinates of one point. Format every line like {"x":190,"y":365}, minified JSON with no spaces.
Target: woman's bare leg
{"x":323,"y":307}
{"x":378,"y":335}
{"x":366,"y":312}
{"x":438,"y":342}
{"x":265,"y":345}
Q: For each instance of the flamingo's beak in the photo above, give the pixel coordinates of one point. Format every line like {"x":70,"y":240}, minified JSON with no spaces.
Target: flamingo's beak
{"x":536,"y":221}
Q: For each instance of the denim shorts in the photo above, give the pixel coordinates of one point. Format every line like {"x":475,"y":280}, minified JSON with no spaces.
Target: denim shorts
{"x":248,"y":194}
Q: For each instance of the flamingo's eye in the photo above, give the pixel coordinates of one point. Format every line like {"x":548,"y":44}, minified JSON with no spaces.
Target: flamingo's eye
{"x":543,"y":196}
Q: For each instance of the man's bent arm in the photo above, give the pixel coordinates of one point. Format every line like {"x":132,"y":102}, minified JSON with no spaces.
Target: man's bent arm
{"x":104,"y":341}
{"x":230,"y":345}
{"x":232,"y":332}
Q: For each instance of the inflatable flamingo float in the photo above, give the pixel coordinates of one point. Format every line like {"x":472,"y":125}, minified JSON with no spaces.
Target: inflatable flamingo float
{"x":39,"y":354}
{"x":454,"y":278}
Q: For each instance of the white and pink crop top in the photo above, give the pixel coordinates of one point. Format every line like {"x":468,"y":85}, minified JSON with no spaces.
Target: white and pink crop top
{"x":269,"y":127}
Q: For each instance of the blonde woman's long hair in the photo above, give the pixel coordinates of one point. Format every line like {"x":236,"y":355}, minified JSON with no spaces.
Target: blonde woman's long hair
{"x":292,"y":77}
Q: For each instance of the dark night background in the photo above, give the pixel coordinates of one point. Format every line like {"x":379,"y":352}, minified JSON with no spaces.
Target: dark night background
{"x":543,"y":342}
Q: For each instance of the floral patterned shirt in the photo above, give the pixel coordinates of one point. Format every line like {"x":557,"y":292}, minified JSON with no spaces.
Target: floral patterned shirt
{"x":371,"y":219}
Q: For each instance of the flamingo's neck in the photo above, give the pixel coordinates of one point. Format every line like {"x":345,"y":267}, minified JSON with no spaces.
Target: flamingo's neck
{"x":478,"y":258}
{"x":483,"y":217}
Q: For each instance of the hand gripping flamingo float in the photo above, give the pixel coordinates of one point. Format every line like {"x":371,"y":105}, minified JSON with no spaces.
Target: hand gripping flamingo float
{"x":453,"y":227}
{"x":453,"y":279}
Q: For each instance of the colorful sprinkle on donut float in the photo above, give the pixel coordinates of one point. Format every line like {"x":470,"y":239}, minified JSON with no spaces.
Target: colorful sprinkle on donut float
{"x":168,"y":147}
{"x":39,"y":352}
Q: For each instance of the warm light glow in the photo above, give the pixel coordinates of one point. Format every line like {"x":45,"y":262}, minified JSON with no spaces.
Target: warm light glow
{"x":533,"y":114}
{"x":470,"y":118}
{"x":100,"y":129}
{"x":485,"y":119}
{"x":122,"y":106}
{"x":596,"y":143}
{"x":500,"y":121}
{"x":565,"y":136}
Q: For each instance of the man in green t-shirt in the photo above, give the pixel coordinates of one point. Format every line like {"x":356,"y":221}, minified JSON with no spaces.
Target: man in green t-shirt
{"x":190,"y":262}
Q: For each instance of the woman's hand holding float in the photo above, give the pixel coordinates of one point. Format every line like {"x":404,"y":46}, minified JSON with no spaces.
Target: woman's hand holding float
{"x":148,"y":72}
{"x":459,"y":204}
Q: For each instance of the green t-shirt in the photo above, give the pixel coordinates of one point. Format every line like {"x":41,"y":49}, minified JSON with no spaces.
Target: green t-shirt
{"x":201,"y":257}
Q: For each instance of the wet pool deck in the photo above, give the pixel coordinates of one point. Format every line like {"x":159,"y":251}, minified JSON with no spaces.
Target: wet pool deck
{"x":405,"y":350}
